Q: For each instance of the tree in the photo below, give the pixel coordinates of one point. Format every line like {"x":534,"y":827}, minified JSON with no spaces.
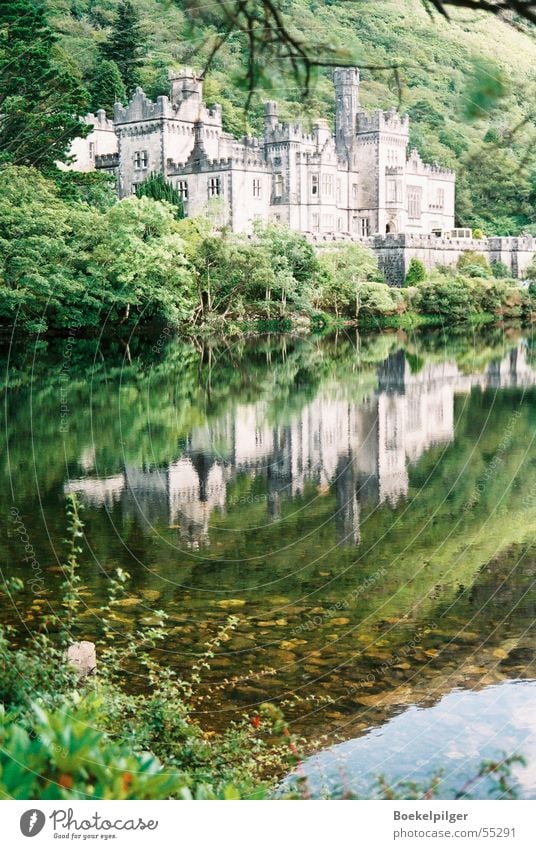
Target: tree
{"x":345,"y":270}
{"x":106,"y":87}
{"x":157,"y":187}
{"x":272,"y":39}
{"x":126,"y":44}
{"x":41,"y":94}
{"x":416,"y":272}
{"x":67,"y":264}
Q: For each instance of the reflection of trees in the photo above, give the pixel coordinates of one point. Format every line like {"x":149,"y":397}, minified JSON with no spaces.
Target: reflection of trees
{"x":432,"y":548}
{"x":138,"y":410}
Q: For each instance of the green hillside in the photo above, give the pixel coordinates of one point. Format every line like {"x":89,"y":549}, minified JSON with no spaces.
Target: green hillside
{"x":449,"y":72}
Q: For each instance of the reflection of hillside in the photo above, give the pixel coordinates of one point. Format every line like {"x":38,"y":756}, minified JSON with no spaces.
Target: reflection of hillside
{"x":362,"y":450}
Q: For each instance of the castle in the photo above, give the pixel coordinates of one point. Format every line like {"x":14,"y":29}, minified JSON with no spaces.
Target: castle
{"x":360,"y":181}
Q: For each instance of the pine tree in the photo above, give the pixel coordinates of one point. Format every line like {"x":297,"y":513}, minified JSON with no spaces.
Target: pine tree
{"x":157,"y":187}
{"x":41,"y":94}
{"x":416,"y":272}
{"x":106,"y":86}
{"x":126,"y":44}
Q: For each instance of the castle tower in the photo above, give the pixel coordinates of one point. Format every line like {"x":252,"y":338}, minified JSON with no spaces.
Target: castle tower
{"x":346,"y":82}
{"x":271,"y":118}
{"x":185,"y":85}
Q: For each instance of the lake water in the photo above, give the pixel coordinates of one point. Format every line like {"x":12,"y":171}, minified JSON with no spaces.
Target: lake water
{"x":365,"y":506}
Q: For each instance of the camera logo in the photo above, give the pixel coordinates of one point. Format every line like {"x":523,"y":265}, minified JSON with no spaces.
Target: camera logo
{"x":32,"y":822}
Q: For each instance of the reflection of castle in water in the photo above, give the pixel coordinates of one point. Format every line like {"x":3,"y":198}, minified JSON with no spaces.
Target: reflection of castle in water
{"x":361,"y":450}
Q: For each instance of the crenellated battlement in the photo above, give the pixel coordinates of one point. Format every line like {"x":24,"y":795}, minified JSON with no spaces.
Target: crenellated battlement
{"x":282,"y":133}
{"x":415,"y":165}
{"x":107,"y":160}
{"x":380,"y":121}
{"x":99,"y":120}
{"x":395,"y":252}
{"x":141,"y":108}
{"x":223,"y":163}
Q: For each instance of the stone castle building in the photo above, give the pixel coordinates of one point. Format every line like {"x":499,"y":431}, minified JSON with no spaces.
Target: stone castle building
{"x":360,"y":181}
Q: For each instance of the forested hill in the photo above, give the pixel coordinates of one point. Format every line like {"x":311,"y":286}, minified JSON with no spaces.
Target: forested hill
{"x":466,"y":84}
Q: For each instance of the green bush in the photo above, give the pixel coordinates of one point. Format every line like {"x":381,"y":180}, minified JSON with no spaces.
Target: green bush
{"x":157,"y":187}
{"x":345,"y":273}
{"x":473,"y":264}
{"x":416,"y":272}
{"x":64,"y":755}
{"x":452,"y":299}
{"x":499,"y":270}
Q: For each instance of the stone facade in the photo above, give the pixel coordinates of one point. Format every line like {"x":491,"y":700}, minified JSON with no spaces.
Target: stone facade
{"x":360,"y":181}
{"x":395,"y":252}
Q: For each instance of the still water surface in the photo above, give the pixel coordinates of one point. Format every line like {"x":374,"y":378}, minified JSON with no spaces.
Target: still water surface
{"x":366,"y":507}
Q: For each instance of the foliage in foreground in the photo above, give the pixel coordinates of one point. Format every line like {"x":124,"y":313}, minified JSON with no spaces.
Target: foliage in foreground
{"x":62,"y":738}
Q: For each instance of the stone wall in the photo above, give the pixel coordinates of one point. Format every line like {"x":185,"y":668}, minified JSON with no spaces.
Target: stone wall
{"x":395,"y":252}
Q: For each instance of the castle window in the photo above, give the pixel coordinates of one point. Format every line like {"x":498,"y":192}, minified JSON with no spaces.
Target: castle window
{"x":316,"y":223}
{"x":314,"y":184}
{"x":256,"y":188}
{"x":339,"y":225}
{"x":92,"y":150}
{"x":182,"y":188}
{"x":414,"y":202}
{"x":392,"y":194}
{"x":214,"y":187}
{"x":327,"y":185}
{"x":354,"y":191}
{"x":278,"y":185}
{"x":338,"y":191}
{"x":364,"y":226}
{"x":328,"y":223}
{"x":141,"y":159}
{"x":440,"y":198}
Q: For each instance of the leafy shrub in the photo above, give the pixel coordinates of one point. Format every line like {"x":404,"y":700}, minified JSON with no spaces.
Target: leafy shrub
{"x":473,"y":264}
{"x":65,"y":756}
{"x":453,"y":299}
{"x":343,"y":271}
{"x":416,"y":272}
{"x":499,"y":270}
